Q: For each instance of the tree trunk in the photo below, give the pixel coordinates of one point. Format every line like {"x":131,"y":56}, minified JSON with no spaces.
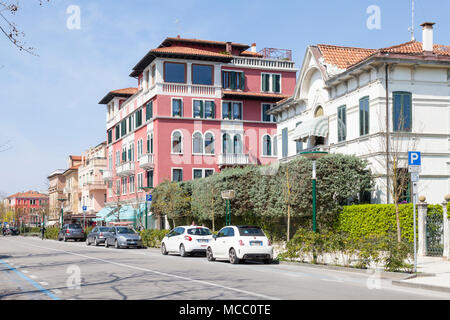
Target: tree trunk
{"x":397,"y":218}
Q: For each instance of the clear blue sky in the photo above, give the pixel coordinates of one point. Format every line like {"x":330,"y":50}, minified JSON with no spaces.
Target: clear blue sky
{"x":49,"y":104}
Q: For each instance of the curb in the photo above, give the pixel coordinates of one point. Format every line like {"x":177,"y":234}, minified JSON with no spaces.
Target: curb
{"x":384,"y":274}
{"x":402,"y":283}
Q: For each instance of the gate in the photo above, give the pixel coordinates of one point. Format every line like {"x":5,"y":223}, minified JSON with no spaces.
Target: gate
{"x":435,"y":232}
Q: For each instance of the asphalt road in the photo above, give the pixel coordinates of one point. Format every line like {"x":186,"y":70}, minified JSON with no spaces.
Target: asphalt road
{"x":31,"y":268}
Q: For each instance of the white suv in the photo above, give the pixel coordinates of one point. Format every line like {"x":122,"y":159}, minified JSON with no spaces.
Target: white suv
{"x":239,"y":243}
{"x":186,"y":240}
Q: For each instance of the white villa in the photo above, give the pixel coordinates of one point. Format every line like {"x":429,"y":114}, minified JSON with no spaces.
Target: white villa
{"x":346,"y":96}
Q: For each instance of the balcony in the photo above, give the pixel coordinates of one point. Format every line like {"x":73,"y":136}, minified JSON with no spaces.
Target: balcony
{"x":147,"y":161}
{"x":191,"y":89}
{"x":96,"y":185}
{"x":126,"y":169}
{"x":107,"y":175}
{"x":275,"y":64}
{"x":232,"y":159}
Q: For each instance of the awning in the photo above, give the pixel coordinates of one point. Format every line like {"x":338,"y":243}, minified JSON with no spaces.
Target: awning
{"x":103,"y":213}
{"x":317,"y":127}
{"x":126,"y":213}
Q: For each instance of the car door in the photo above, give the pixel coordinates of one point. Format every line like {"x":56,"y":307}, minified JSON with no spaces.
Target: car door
{"x":93,"y":234}
{"x":111,"y":236}
{"x":178,"y":238}
{"x":168,"y":240}
{"x":229,"y":241}
{"x":219,"y":243}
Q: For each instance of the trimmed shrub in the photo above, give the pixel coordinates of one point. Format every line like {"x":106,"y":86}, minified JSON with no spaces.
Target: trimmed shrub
{"x":152,"y":238}
{"x":51,"y":233}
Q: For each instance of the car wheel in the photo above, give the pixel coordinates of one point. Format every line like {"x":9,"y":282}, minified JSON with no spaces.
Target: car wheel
{"x":233,"y":258}
{"x":87,"y":242}
{"x":209,"y":254}
{"x":183,"y":252}
{"x":268,"y":261}
{"x":164,"y":250}
{"x":106,"y":244}
{"x":95,"y":242}
{"x":65,"y":239}
{"x":116,"y":244}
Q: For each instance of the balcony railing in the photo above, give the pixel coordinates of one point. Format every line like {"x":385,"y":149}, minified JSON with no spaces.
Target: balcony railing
{"x":107,"y":175}
{"x":147,"y":161}
{"x":232,"y":159}
{"x":126,"y":169}
{"x":96,"y":185}
{"x":190,"y":89}
{"x":264,"y":63}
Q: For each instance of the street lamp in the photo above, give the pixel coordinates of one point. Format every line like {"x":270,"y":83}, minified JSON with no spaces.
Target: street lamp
{"x":314,"y":155}
{"x":147,"y":191}
{"x":227,"y":196}
{"x":62,"y":200}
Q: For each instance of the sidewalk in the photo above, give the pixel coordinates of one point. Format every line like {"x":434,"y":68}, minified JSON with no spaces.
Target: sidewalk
{"x":433,"y":274}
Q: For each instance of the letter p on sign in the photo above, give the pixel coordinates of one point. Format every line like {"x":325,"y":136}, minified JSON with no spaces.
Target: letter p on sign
{"x":414,"y":158}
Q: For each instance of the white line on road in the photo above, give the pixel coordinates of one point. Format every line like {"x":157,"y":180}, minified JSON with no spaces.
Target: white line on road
{"x":32,"y":276}
{"x":24,"y":271}
{"x":44,"y":283}
{"x":164,"y":274}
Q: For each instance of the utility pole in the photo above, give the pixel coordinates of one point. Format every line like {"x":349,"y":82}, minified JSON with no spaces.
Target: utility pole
{"x":412,"y":22}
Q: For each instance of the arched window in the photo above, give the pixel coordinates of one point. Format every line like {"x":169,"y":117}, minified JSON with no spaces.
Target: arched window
{"x":318,"y":112}
{"x":267,"y":145}
{"x":176,"y":142}
{"x":237,"y":144}
{"x":209,"y":143}
{"x":197,"y":143}
{"x":227,"y":147}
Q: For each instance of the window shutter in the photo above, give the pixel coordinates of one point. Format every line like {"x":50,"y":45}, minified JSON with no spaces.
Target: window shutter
{"x":242,"y":81}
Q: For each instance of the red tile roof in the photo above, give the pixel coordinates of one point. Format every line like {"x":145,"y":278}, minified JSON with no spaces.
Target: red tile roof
{"x":126,"y":92}
{"x":199,"y":41}
{"x":345,"y":57}
{"x":190,"y":52}
{"x":129,"y":91}
{"x":28,"y":194}
{"x":251,"y":54}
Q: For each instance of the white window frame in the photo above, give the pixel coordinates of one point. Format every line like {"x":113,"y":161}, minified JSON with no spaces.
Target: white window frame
{"x":202,"y":116}
{"x":272,"y":117}
{"x":171,"y":107}
{"x":271,"y":82}
{"x":132,"y":184}
{"x":231,"y":101}
{"x":202,"y":145}
{"x":271,"y":155}
{"x":171,"y":142}
{"x":171,"y":172}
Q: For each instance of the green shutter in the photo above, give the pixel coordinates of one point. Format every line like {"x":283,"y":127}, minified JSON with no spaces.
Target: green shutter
{"x":233,"y":80}
{"x":242,"y":81}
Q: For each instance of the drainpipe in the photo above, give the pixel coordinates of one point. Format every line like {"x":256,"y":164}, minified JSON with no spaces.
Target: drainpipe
{"x":387,"y":135}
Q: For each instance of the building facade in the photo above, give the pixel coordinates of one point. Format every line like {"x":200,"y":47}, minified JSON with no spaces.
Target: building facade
{"x":91,"y":186}
{"x":70,"y":191}
{"x":377,"y":105}
{"x":200,"y":106}
{"x":56,"y":184}
{"x":30,"y":208}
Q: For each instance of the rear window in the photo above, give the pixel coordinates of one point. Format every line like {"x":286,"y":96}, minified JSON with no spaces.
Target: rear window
{"x":199,"y":232}
{"x":74,"y":226}
{"x":103,"y":229}
{"x":251,"y":232}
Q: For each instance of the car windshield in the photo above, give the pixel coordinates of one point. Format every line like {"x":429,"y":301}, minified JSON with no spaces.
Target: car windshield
{"x":251,"y":231}
{"x":199,"y":231}
{"x":103,"y":229}
{"x":125,"y":230}
{"x":74,"y":226}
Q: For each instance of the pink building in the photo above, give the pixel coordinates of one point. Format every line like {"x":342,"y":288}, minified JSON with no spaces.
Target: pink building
{"x":200,"y":106}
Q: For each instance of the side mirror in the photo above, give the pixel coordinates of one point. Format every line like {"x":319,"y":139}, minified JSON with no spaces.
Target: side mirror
{"x":214,"y":236}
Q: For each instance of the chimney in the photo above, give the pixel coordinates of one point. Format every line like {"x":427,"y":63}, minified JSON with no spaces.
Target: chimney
{"x":427,"y":36}
{"x":228,"y":47}
{"x":253,"y":47}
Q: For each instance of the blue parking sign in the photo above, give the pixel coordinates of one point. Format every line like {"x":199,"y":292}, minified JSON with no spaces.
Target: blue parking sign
{"x":84,"y":208}
{"x":149,"y":197}
{"x":414,"y":158}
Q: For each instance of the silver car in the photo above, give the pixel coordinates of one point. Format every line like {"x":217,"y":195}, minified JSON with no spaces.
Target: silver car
{"x":97,"y":236}
{"x":122,"y":237}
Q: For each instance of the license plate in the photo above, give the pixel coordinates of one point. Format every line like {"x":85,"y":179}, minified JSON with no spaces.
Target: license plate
{"x":256,"y":243}
{"x":203,"y":240}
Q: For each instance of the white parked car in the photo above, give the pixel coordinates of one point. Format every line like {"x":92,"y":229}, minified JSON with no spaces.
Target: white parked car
{"x":240,"y":243}
{"x":186,"y":240}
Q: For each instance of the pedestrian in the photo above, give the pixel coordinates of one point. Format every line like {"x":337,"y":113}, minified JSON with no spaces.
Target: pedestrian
{"x":43,"y":231}
{"x":193,"y":223}
{"x":3,"y":230}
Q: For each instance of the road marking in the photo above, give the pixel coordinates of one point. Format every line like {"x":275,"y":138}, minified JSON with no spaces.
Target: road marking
{"x":163,"y":274}
{"x":44,"y":283}
{"x":332,"y":280}
{"x":32,"y":276}
{"x":32,"y":282}
{"x":24,"y":271}
{"x":56,"y":291}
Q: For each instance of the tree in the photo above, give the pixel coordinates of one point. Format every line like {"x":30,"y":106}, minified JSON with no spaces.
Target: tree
{"x":170,"y":199}
{"x":12,"y":32}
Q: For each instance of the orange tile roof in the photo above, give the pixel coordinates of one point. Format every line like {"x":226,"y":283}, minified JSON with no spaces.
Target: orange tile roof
{"x":190,"y":51}
{"x":251,"y":53}
{"x":343,"y":57}
{"x":76,"y":158}
{"x":199,"y":41}
{"x":28,"y":194}
{"x":129,"y":91}
{"x":256,"y":94}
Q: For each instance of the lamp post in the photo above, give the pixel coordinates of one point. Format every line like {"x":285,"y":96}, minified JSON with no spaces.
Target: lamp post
{"x":314,"y":155}
{"x":62,"y":200}
{"x":227,"y":196}
{"x":147,"y":192}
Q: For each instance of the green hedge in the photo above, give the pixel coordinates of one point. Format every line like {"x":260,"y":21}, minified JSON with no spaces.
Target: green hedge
{"x":51,"y":233}
{"x":312,"y":246}
{"x":153,"y":238}
{"x":379,"y":219}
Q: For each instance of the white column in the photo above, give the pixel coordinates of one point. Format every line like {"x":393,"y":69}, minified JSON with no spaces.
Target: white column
{"x":446,"y":229}
{"x":421,"y":226}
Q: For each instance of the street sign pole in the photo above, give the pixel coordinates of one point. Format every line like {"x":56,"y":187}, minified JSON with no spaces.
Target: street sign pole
{"x":414,"y":167}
